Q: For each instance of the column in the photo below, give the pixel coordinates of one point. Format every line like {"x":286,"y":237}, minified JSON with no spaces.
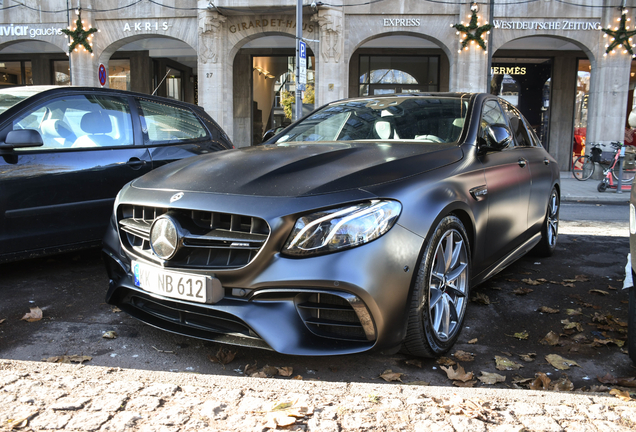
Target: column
{"x":470,"y":66}
{"x":331,"y":68}
{"x":83,"y":64}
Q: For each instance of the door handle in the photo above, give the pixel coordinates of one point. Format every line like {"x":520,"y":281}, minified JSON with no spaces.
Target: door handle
{"x":546,"y":161}
{"x":522,"y":162}
{"x":135,"y":163}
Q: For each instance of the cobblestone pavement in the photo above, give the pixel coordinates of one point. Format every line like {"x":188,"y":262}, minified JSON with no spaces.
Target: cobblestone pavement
{"x":42,"y":396}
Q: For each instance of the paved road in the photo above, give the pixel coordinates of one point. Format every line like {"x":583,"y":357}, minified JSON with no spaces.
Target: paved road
{"x":70,"y":291}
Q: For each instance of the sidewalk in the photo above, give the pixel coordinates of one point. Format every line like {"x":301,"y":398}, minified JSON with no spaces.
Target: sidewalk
{"x":37,"y":396}
{"x":573,"y":190}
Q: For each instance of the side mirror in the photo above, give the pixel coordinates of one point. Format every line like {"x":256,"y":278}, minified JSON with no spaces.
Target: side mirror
{"x":497,"y":137}
{"x":22,"y":138}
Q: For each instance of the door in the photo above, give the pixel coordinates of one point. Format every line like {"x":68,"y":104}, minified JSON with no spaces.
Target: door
{"x":62,"y":193}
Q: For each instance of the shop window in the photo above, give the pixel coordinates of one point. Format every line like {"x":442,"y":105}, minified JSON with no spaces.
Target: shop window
{"x":398,"y":74}
{"x":119,"y":74}
{"x":173,"y":84}
{"x":61,"y":72}
{"x":167,"y":123}
{"x":580,"y":107}
{"x":14,"y":73}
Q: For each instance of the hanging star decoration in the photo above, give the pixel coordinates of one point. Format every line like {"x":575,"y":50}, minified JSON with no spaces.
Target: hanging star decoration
{"x":473,"y":27}
{"x":79,"y":36}
{"x":620,"y":36}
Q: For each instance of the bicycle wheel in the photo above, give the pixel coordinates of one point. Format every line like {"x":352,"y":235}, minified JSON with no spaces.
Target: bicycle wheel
{"x":582,"y":168}
{"x":628,"y":174}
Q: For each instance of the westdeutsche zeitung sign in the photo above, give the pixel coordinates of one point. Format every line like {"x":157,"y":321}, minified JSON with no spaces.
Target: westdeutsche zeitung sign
{"x":546,"y":25}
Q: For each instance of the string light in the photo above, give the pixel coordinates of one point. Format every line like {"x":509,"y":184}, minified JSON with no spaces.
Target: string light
{"x":620,"y":36}
{"x":473,"y":32}
{"x":79,"y":36}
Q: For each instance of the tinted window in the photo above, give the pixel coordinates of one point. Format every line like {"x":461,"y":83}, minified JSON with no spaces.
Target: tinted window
{"x":491,"y":114}
{"x":516,"y":126}
{"x":79,"y":121}
{"x":168,"y":123}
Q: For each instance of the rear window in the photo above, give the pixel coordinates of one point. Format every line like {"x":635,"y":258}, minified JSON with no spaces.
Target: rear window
{"x":169,"y":123}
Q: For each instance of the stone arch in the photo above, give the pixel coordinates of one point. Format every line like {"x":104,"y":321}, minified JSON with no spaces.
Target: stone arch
{"x":107,"y":52}
{"x":589,"y":47}
{"x":63,"y":45}
{"x":436,"y":41}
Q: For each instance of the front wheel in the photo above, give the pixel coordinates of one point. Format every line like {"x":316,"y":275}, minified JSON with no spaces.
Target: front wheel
{"x":602,"y":186}
{"x":582,"y":168}
{"x":440,"y":295}
{"x":628,"y":174}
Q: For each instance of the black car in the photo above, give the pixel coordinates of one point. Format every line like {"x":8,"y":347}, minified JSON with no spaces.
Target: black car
{"x":65,"y":152}
{"x":362,"y":226}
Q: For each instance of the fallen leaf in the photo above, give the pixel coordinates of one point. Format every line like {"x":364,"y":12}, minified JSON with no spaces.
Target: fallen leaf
{"x":607,"y":379}
{"x":458,"y":374}
{"x":599,"y":389}
{"x":548,"y":310}
{"x":284,"y":414}
{"x":298,"y":378}
{"x":115,"y":309}
{"x":598,"y":342}
{"x":517,"y":379}
{"x":522,"y":291}
{"x":270,"y":371}
{"x":464,"y":383}
{"x":569,"y":285}
{"x":111,"y":334}
{"x":420,"y":383}
{"x":223,"y":356}
{"x":491,"y":378}
{"x":285,"y":371}
{"x":551,"y":339}
{"x":259,"y":375}
{"x":567,"y":325}
{"x":562,"y":384}
{"x":623,"y":382}
{"x":609,"y":287}
{"x":250,"y":369}
{"x":472,"y":341}
{"x":528,"y":357}
{"x":598,"y":291}
{"x":480,"y":298}
{"x":504,"y":363}
{"x":414,"y":362}
{"x":532,"y":282}
{"x":34,"y":315}
{"x":541,"y":382}
{"x":445,"y":361}
{"x":464,"y":356}
{"x":581,"y":278}
{"x":559,"y":362}
{"x":2,"y":320}
{"x":622,"y":395}
{"x":520,"y":335}
{"x":389,"y":376}
{"x":68,"y":359}
{"x":573,"y":312}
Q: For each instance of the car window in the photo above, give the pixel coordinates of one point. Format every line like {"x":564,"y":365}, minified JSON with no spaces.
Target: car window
{"x":534,"y":139}
{"x":79,"y":121}
{"x":491,"y":114}
{"x":517,"y":127}
{"x":169,"y":123}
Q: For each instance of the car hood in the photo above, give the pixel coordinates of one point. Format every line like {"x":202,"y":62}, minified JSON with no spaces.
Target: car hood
{"x":300,"y":169}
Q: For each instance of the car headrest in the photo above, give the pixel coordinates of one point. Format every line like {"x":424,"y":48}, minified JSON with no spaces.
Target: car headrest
{"x":383,"y":129}
{"x":96,"y":123}
{"x":55,"y":128}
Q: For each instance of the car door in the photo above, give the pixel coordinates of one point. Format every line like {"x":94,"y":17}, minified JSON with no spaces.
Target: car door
{"x":508,"y":185}
{"x":62,"y":193}
{"x":175,"y":131}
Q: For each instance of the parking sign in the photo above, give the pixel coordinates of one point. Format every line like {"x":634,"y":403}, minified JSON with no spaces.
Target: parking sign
{"x":302,"y":63}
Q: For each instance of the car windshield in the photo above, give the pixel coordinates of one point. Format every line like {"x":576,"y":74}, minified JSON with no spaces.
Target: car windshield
{"x":15,"y":95}
{"x":421,"y":119}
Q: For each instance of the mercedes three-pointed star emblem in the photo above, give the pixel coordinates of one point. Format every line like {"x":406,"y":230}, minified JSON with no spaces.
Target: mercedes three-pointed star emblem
{"x":164,"y":237}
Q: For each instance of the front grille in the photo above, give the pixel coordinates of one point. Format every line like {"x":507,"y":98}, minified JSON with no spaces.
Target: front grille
{"x":332,"y":316}
{"x":211,"y":240}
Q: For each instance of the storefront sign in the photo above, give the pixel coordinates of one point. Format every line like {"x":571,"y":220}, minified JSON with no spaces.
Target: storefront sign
{"x":401,"y":22}
{"x":269,"y":23}
{"x":546,"y":25}
{"x":24,"y":30}
{"x":146,"y":26}
{"x":509,"y":70}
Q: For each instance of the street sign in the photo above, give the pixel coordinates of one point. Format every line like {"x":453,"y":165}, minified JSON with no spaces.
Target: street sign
{"x":302,"y":63}
{"x":102,"y":74}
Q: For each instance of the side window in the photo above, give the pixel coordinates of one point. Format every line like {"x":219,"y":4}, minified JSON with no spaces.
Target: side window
{"x":79,"y":121}
{"x":169,"y":123}
{"x":534,"y":139}
{"x":491,"y":114}
{"x":517,"y":127}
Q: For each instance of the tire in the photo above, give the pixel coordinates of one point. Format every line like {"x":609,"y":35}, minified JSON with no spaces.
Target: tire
{"x":583,"y":168}
{"x":550,"y":227}
{"x":443,"y":279}
{"x":602,"y":186}
{"x":631,"y":323}
{"x":628,"y":174}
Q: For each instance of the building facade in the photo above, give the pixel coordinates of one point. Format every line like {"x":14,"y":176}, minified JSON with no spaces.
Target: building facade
{"x":236,"y":58}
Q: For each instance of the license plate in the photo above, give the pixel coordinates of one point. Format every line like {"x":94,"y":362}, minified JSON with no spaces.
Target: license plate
{"x":184,"y":286}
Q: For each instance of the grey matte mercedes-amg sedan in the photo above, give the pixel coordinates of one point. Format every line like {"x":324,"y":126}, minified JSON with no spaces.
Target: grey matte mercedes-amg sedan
{"x":363,"y":225}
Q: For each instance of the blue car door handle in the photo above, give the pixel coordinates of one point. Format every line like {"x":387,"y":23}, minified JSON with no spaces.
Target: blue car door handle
{"x":135,"y":163}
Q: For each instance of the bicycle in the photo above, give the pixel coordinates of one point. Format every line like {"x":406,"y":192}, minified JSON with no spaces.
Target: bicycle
{"x":583,"y":167}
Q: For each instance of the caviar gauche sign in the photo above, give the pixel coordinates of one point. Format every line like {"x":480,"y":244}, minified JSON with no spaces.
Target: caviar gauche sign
{"x":563,"y":24}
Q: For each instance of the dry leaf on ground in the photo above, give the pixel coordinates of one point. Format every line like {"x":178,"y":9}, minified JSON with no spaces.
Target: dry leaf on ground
{"x":414,"y":362}
{"x":298,"y":378}
{"x":528,"y":357}
{"x":445,"y":361}
{"x":559,"y":362}
{"x":567,"y":325}
{"x":598,"y":291}
{"x":533,"y":282}
{"x":389,"y":376}
{"x":623,"y":382}
{"x":34,"y":315}
{"x":285,"y":371}
{"x":520,"y":335}
{"x":480,"y":298}
{"x":573,"y":312}
{"x":551,"y":339}
{"x":470,"y":383}
{"x":503,"y":363}
{"x":270,"y":371}
{"x":258,"y":375}
{"x":68,"y":359}
{"x":458,"y":374}
{"x":223,"y":356}
{"x":2,"y":320}
{"x":548,"y":310}
{"x":473,"y":341}
{"x":562,"y":384}
{"x":622,"y":395}
{"x":604,"y":342}
{"x":284,"y":414}
{"x":491,"y":378}
{"x":541,"y":382}
{"x":522,"y":291}
{"x":464,"y":356}
{"x":250,"y":369}
{"x":111,"y":334}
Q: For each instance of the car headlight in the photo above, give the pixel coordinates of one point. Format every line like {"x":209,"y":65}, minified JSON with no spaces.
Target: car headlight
{"x":341,"y":228}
